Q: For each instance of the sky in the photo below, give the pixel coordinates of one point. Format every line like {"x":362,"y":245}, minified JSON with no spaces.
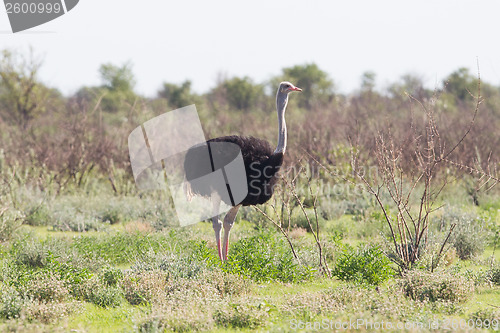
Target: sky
{"x":174,"y":41}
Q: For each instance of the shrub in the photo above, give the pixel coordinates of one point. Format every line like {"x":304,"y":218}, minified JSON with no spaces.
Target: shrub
{"x":487,"y":318}
{"x":299,"y":220}
{"x":493,"y":275}
{"x":37,"y":215}
{"x":111,"y":276}
{"x":97,"y":292}
{"x":11,"y":302}
{"x":73,"y":276}
{"x":188,"y":318}
{"x":264,"y":257}
{"x":106,"y":296}
{"x":468,"y":245}
{"x":48,"y":312}
{"x":46,"y":287}
{"x":437,"y":286}
{"x":79,"y":223}
{"x":226,"y":283}
{"x":181,"y":267}
{"x":10,"y":220}
{"x":366,"y":264}
{"x":111,"y":215}
{"x":468,"y":237}
{"x":119,"y":248}
{"x":144,"y":288}
{"x":30,"y":253}
{"x":241,"y":315}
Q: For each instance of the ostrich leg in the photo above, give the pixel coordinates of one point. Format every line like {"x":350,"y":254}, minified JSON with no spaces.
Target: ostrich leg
{"x":216,"y":223}
{"x":228,"y":224}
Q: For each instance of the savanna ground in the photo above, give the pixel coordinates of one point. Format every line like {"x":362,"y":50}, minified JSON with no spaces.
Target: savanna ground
{"x":387,"y":213}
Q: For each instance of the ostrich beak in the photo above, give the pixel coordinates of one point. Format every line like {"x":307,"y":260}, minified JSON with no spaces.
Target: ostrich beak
{"x":296,"y":89}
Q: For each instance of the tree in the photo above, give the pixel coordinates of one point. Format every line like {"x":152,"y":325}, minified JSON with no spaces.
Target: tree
{"x":410,"y":84}
{"x":239,"y":93}
{"x":178,"y":95}
{"x":461,"y":84}
{"x":368,"y":81}
{"x":116,"y":92}
{"x":117,"y":78}
{"x":22,"y":96}
{"x":242,"y":93}
{"x":317,"y":87}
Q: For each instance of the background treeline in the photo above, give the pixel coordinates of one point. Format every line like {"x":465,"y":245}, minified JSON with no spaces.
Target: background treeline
{"x":68,"y":138}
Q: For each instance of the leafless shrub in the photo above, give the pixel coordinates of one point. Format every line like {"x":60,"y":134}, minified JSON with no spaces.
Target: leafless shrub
{"x":283,"y":212}
{"x":408,"y":181}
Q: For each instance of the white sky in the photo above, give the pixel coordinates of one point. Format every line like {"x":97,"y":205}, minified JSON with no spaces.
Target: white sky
{"x":177,"y":40}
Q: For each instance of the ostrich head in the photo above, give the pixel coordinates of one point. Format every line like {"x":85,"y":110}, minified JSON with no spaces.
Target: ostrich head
{"x":282,"y":96}
{"x":286,"y":87}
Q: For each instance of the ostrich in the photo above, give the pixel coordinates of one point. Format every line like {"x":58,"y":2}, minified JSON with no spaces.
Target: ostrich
{"x":261,"y":167}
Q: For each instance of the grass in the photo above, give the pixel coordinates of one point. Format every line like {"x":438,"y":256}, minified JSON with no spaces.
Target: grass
{"x":97,"y":319}
{"x":133,"y":277}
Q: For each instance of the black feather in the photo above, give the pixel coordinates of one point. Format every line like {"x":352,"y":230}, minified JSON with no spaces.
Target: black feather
{"x":261,"y":166}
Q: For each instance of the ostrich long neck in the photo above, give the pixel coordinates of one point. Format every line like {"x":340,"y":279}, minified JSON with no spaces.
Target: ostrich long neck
{"x":281,"y":102}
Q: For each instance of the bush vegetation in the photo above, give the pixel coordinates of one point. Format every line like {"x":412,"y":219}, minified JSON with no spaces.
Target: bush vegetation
{"x":82,"y":248}
{"x":366,"y":264}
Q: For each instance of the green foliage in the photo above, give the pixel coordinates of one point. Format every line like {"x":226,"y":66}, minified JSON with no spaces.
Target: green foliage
{"x":227,"y":284}
{"x":468,"y":237}
{"x":10,"y":220}
{"x":30,"y":253}
{"x":119,"y":248}
{"x":116,"y":93}
{"x":111,"y":276}
{"x":106,"y":296}
{"x":22,"y":97}
{"x":117,"y":78}
{"x":261,"y":258}
{"x":366,"y":264}
{"x":461,"y":84}
{"x":79,"y":223}
{"x":71,"y":274}
{"x":98,"y":292}
{"x":178,"y":95}
{"x":238,"y":94}
{"x":242,"y":94}
{"x":112,"y":215}
{"x":46,"y":286}
{"x":175,"y":265}
{"x":409,"y":84}
{"x":368,"y":81}
{"x":438,"y":286}
{"x":37,"y":215}
{"x":241,"y":316}
{"x":265,"y":258}
{"x":11,"y":302}
{"x":299,"y":220}
{"x":493,"y":275}
{"x":144,"y":287}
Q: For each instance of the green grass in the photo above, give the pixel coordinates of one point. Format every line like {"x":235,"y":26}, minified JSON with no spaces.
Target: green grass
{"x":97,"y":319}
{"x":483,"y":298}
{"x":146,"y":278}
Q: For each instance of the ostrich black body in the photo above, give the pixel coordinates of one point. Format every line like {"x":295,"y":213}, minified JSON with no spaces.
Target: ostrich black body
{"x":261,"y":166}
